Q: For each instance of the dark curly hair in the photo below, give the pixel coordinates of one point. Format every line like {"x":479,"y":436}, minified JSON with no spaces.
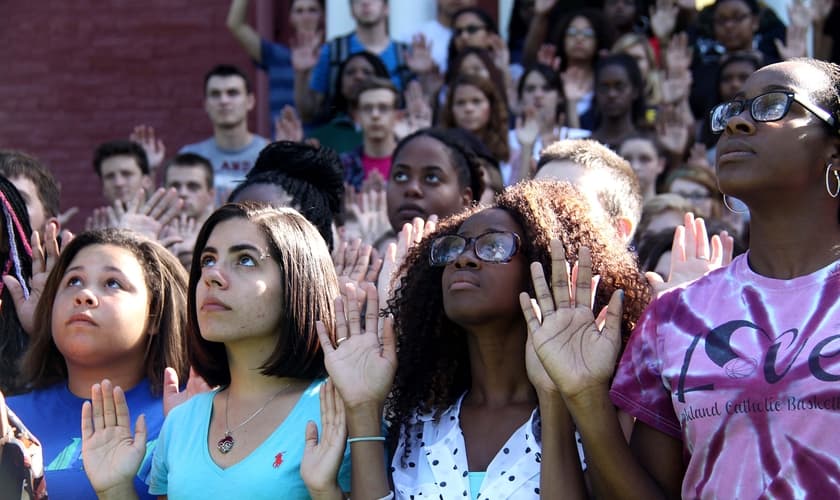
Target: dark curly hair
{"x":432,"y":351}
{"x":494,"y":134}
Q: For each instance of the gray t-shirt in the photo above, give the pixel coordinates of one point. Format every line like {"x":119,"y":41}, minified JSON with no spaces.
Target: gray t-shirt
{"x":229,"y":167}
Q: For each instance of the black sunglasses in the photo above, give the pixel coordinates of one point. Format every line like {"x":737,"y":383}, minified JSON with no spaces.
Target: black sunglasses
{"x":493,"y":246}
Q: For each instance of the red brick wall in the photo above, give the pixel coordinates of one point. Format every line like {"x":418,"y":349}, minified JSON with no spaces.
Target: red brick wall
{"x":77,"y":73}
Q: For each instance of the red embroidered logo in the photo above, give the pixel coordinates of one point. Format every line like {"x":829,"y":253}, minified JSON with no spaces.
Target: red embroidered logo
{"x":278,"y":460}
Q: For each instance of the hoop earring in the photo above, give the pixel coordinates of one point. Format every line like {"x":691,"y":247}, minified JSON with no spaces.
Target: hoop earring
{"x":828,"y":184}
{"x":726,"y":204}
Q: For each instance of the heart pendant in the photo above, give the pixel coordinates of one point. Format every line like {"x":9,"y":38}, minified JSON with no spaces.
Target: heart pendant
{"x":225,"y":444}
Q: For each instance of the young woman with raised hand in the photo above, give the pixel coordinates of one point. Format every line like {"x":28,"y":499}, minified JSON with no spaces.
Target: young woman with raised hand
{"x":114,"y":306}
{"x":471,"y":411}
{"x":260,"y":278}
{"x":733,"y":384}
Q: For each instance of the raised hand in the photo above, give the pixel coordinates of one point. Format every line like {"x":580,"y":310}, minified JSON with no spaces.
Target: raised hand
{"x":527,"y":131}
{"x":44,"y":257}
{"x":180,"y":235}
{"x":27,"y":469}
{"x":287,"y":126}
{"x":675,"y":89}
{"x":322,"y":457}
{"x":663,"y":18}
{"x":678,"y":55}
{"x":147,"y":218}
{"x":144,"y":135}
{"x":359,"y":365}
{"x":65,"y":216}
{"x":418,"y":113}
{"x":693,"y":255}
{"x":797,"y":43}
{"x":110,"y":453}
{"x":501,"y":55}
{"x":356,"y":261}
{"x":575,"y":354}
{"x":305,"y":50}
{"x":799,"y":14}
{"x":419,"y":58}
{"x":672,"y":132}
{"x":547,"y":54}
{"x":172,"y":393}
{"x":542,"y":7}
{"x":820,"y":9}
{"x":371,"y":211}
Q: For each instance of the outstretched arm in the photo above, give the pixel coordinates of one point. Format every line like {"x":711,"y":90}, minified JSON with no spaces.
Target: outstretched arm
{"x":580,"y":359}
{"x":110,"y":453}
{"x":363,"y":371}
{"x":242,"y":31}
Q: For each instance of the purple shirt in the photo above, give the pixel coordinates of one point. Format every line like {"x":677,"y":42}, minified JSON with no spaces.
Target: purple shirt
{"x":744,"y":370}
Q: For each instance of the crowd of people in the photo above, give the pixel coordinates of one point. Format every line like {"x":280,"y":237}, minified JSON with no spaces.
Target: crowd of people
{"x":596,"y":259}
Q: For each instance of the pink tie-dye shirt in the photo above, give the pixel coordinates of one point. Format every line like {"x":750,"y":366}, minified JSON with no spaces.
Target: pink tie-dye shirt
{"x":744,"y":370}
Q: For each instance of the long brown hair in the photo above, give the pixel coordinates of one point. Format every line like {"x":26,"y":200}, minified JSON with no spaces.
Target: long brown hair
{"x":494,"y":133}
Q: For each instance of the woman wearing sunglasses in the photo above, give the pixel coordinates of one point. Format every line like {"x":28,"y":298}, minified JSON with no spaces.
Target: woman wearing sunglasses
{"x":472,"y":413}
{"x":733,"y":379}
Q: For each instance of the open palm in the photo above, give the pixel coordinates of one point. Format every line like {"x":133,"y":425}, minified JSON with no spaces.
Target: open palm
{"x":360,"y":367}
{"x":110,"y":453}
{"x":575,"y":354}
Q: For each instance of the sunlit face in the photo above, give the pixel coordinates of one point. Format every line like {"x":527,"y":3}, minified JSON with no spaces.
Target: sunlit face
{"x":474,"y":291}
{"x":424,"y":181}
{"x":101,"y":308}
{"x":369,"y":13}
{"x":227,"y":101}
{"x":469,"y":30}
{"x":190,"y":181}
{"x":642,"y":156}
{"x":305,"y":15}
{"x":240,"y":289}
{"x":470,"y":108}
{"x":580,"y":40}
{"x":734,"y":25}
{"x":538,"y":95}
{"x":376,"y":113}
{"x":614,"y":92}
{"x":471,"y":64}
{"x":732,"y":78}
{"x":121,"y":178}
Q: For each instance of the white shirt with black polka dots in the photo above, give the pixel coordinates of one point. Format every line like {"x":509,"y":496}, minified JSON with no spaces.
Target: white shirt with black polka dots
{"x":436,"y":463}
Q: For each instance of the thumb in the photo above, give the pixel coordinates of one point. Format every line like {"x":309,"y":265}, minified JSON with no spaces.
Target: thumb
{"x":170,"y":381}
{"x":654,"y":279}
{"x":311,"y":435}
{"x":15,"y":290}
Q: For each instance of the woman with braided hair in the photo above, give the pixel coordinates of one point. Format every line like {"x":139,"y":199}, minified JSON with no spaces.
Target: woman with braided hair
{"x":298,"y":175}
{"x":16,"y":258}
{"x":470,"y":409}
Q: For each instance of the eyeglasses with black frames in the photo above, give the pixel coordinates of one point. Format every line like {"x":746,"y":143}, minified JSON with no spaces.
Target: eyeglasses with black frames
{"x":768,"y":107}
{"x":496,"y":247}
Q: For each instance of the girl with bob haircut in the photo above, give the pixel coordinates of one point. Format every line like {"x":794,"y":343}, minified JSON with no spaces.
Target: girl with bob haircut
{"x":114,"y":306}
{"x":260,"y":279}
{"x":733,"y":385}
{"x":471,"y":408}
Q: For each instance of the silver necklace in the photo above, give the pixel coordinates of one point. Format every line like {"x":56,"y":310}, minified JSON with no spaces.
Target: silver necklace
{"x":225,"y":444}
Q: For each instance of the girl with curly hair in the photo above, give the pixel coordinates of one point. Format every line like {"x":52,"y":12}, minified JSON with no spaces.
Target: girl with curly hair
{"x":475,"y":104}
{"x":470,"y":407}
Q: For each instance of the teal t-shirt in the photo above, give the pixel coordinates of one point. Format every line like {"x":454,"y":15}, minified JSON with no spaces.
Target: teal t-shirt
{"x":182,"y":466}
